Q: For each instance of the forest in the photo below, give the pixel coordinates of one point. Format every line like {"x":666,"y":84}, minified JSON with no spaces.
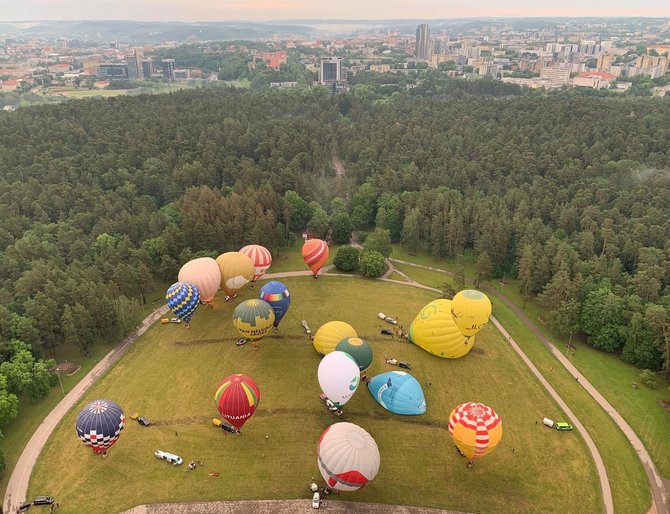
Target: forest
{"x":100,"y":200}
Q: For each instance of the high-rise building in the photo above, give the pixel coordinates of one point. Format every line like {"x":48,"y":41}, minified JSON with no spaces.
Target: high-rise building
{"x":605,"y":62}
{"x":113,"y":71}
{"x":331,"y":70}
{"x":422,"y":47}
{"x":168,"y":69}
{"x":147,"y":68}
{"x":133,"y":63}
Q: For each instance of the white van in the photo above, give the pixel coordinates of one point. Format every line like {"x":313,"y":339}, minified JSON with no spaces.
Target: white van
{"x":548,"y":422}
{"x":316,"y":500}
{"x":170,"y":457}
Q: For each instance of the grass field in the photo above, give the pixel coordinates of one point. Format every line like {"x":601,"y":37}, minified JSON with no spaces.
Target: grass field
{"x":171,"y":373}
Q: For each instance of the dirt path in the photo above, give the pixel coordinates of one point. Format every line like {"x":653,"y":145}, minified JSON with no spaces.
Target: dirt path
{"x":336,"y":162}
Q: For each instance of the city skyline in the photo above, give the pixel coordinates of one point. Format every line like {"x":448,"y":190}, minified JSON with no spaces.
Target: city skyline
{"x":274,"y":10}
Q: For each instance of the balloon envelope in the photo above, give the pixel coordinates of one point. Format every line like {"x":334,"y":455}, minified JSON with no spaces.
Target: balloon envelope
{"x":347,"y":456}
{"x":236,"y":398}
{"x":315,"y":253}
{"x":398,"y":392}
{"x":204,"y":272}
{"x":253,"y":318}
{"x":99,"y":424}
{"x":236,"y":271}
{"x":276,"y":294}
{"x":475,"y":428}
{"x":359,"y":349}
{"x":183,"y":299}
{"x":331,"y":333}
{"x":260,"y":256}
{"x":338,"y":377}
{"x":435,"y":330}
{"x":471,"y":310}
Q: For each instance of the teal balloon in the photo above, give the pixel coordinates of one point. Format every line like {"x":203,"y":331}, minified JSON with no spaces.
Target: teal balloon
{"x":398,"y":392}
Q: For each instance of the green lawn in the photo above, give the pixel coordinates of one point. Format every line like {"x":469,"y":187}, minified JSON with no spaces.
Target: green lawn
{"x":424,"y":276}
{"x":171,"y":373}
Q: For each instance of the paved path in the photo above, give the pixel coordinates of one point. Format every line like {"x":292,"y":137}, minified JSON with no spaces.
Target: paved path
{"x":18,"y":481}
{"x":280,"y":507}
{"x":656,"y":483}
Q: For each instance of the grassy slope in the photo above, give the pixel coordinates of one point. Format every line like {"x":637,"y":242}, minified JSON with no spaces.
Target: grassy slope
{"x":19,"y":431}
{"x":419,"y":464}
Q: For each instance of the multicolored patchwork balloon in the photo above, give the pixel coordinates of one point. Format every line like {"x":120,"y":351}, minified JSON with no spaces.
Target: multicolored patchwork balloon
{"x":183,"y":299}
{"x":236,"y":398}
{"x":253,"y":318}
{"x":99,"y":424}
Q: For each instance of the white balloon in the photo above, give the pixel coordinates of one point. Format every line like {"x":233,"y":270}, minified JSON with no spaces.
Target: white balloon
{"x":348,"y":457}
{"x":338,"y":376}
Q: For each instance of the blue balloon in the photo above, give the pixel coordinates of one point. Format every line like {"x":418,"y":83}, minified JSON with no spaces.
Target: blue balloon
{"x":398,"y":392}
{"x":277,"y":295}
{"x":183,"y":299}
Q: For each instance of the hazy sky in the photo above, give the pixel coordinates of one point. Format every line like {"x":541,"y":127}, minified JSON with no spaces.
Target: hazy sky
{"x":215,"y":10}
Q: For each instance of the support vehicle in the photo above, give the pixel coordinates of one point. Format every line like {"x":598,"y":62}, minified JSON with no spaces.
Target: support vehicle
{"x":176,"y":460}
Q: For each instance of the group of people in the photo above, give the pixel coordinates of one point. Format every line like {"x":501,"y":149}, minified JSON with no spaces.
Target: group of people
{"x":192,"y":465}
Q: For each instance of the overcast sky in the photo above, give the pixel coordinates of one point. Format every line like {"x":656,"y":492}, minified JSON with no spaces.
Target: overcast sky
{"x":216,"y":10}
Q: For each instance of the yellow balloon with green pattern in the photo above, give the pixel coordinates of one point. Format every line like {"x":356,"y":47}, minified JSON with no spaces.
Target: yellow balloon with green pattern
{"x":253,"y":318}
{"x":471,"y":310}
{"x":435,"y":330}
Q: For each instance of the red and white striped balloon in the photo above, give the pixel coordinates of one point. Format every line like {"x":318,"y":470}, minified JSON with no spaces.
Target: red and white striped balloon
{"x":262,"y":259}
{"x":475,"y":428}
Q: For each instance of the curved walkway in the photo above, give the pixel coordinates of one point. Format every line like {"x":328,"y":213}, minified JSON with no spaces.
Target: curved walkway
{"x":659,"y":493}
{"x":18,"y":482}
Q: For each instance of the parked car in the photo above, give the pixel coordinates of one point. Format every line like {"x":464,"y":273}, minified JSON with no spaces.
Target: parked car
{"x":144,"y":421}
{"x":404,"y":365}
{"x":386,"y":318}
{"x":134,"y":415}
{"x":24,"y":507}
{"x":386,"y":332}
{"x":562,"y":425}
{"x":225,"y":426}
{"x":241,"y":341}
{"x":316,"y":500}
{"x":43,"y":500}
{"x":175,"y":320}
{"x":393,"y":362}
{"x":329,"y":403}
{"x":305,"y":326}
{"x":170,"y":457}
{"x":164,"y":321}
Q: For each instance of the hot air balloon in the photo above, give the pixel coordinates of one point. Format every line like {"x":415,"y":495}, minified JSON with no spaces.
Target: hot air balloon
{"x":339,"y":377}
{"x":331,"y":333}
{"x":236,"y":398}
{"x":204,"y":272}
{"x":475,"y":428}
{"x":99,"y":424}
{"x":435,"y":330}
{"x":471,"y":310}
{"x":236,"y":271}
{"x":276,"y":294}
{"x":260,"y":256}
{"x":183,"y":298}
{"x":253,"y":318}
{"x":347,"y":456}
{"x":398,"y":392}
{"x":315,"y":253}
{"x":359,"y":349}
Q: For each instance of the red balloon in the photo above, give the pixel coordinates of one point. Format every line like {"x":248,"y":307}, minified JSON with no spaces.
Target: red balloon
{"x":315,"y":253}
{"x":236,"y":398}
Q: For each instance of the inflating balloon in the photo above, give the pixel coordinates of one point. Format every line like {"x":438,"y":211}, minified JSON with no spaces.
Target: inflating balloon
{"x":277,"y":295}
{"x":183,"y":299}
{"x":99,"y":424}
{"x":359,"y":349}
{"x":475,"y":428}
{"x":331,"y":333}
{"x":471,"y":310}
{"x":338,"y":377}
{"x":398,"y":392}
{"x":204,"y":272}
{"x":253,"y":318}
{"x":348,"y":457}
{"x":315,"y":253}
{"x":237,"y":398}
{"x":435,"y":330}
{"x":236,"y":271}
{"x":260,"y":256}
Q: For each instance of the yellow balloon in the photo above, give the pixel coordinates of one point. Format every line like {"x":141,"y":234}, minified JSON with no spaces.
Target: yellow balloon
{"x":327,"y":337}
{"x":435,"y":331}
{"x":471,"y":310}
{"x":236,"y":271}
